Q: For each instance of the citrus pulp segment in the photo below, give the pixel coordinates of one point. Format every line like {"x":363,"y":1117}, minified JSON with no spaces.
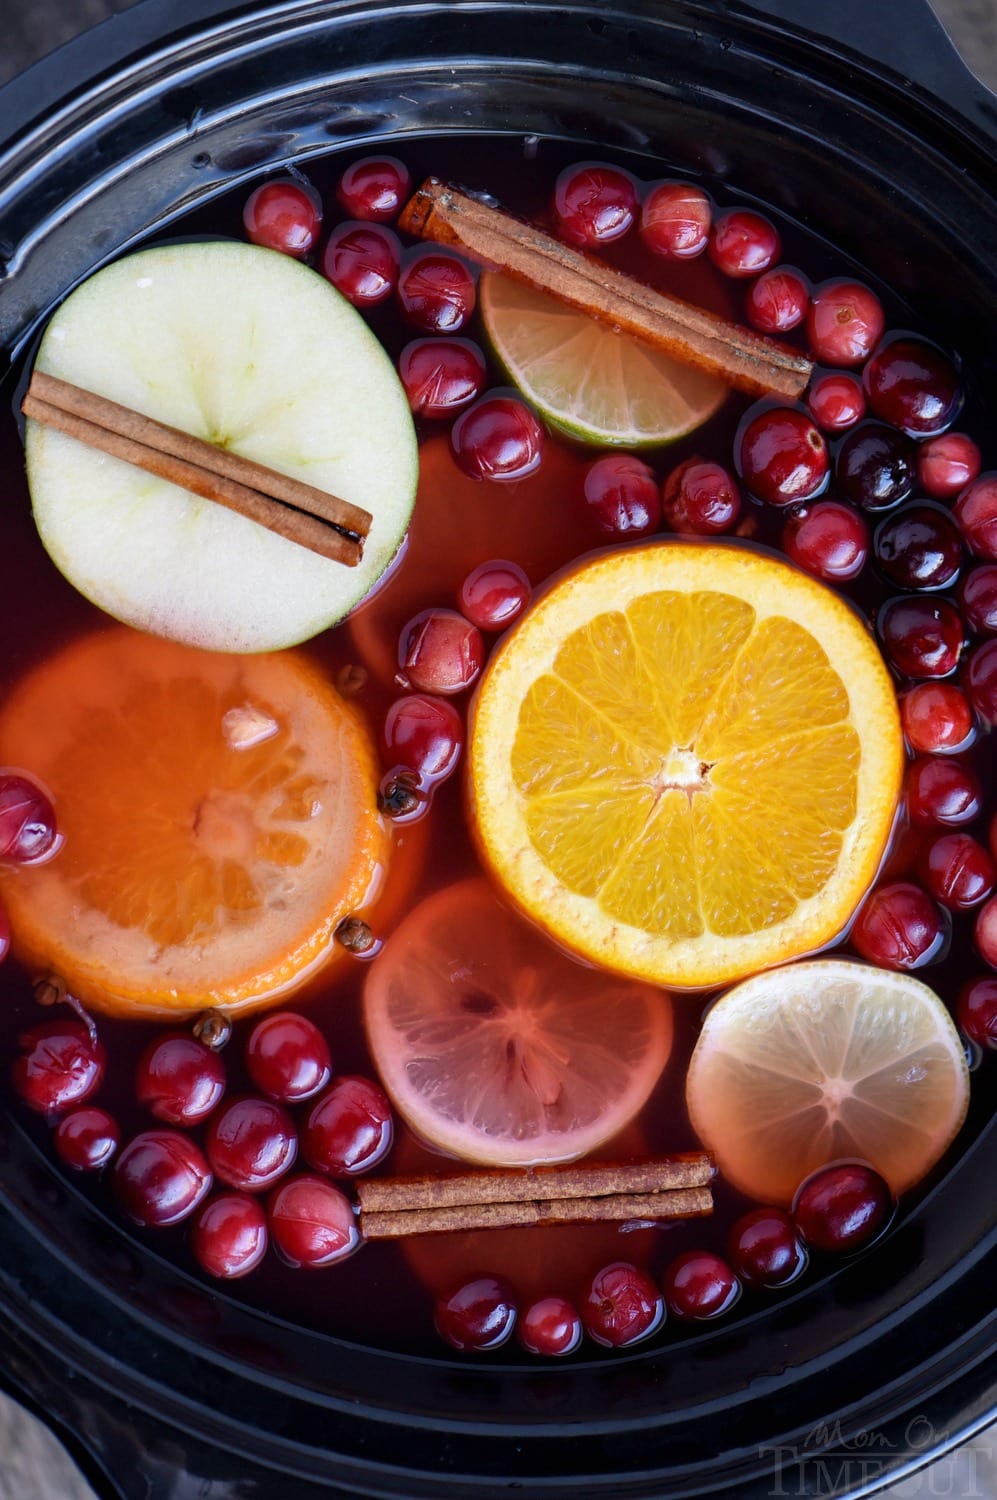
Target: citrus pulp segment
{"x":595,"y":384}
{"x":685,"y":762}
{"x":218,"y":817}
{"x":824,"y":1061}
{"x":496,"y":1048}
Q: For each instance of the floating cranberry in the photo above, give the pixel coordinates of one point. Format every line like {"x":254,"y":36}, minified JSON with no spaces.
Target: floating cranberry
{"x":374,"y":188}
{"x":28,"y":830}
{"x":87,"y":1138}
{"x":436,"y":292}
{"x":841,"y":1208}
{"x":919,"y":547}
{"x":494,"y":594}
{"x":946,"y":464}
{"x":284,"y":215}
{"x":976,"y":514}
{"x":778,"y":300}
{"x":287,"y":1057}
{"x":179,"y":1079}
{"x":349,"y":1129}
{"x":958,"y":871}
{"x":699,"y":1285}
{"x":899,"y":927}
{"x":479,"y":1315}
{"x":876,"y":467}
{"x":981,"y":680}
{"x":440,"y":652}
{"x":312,"y":1223}
{"x":229,"y":1235}
{"x":61,"y":1065}
{"x":251,"y":1142}
{"x":985,"y":932}
{"x":441,"y":376}
{"x":550,"y":1327}
{"x":765,"y":1249}
{"x":829,"y":540}
{"x":594,"y":205}
{"x":912,"y":385}
{"x":782,"y":457}
{"x":675,"y":220}
{"x":978,"y":600}
{"x":744,"y":243}
{"x":424,"y":734}
{"x":836,"y":400}
{"x":936,"y":717}
{"x":845,"y":323}
{"x":622,"y":1306}
{"x":977,"y":1011}
{"x":700,"y":498}
{"x":942,"y":791}
{"x":361,"y":261}
{"x":497,"y":438}
{"x":161,"y":1177}
{"x":922,"y":637}
{"x":621,"y":493}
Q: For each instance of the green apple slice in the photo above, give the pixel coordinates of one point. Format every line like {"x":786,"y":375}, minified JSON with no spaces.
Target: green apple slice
{"x":249,"y":349}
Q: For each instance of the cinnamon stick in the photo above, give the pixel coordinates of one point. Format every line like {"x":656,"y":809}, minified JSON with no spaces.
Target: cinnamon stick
{"x":677,"y":1203}
{"x":445,"y":214}
{"x":323,"y":523}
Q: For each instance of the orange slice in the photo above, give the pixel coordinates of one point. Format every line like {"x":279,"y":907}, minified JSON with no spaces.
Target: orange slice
{"x":219,"y":819}
{"x":685,"y":762}
{"x":822,"y":1061}
{"x":496,"y":1048}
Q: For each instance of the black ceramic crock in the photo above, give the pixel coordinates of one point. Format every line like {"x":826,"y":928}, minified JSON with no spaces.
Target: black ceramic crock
{"x":879,"y":139}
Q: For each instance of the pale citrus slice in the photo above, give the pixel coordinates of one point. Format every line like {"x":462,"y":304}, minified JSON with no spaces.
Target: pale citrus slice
{"x":685,"y":762}
{"x":586,"y":378}
{"x":823,"y":1061}
{"x":218,"y":816}
{"x":496,"y":1048}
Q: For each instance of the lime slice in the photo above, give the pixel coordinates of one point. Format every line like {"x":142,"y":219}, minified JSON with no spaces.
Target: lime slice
{"x":597,"y":385}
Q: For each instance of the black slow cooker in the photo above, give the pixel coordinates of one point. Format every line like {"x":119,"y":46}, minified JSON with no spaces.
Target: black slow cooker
{"x":878,"y":138}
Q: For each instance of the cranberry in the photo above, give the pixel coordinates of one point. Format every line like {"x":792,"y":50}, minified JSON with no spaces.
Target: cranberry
{"x":700,"y":498}
{"x":958,"y":871}
{"x":179,"y":1079}
{"x":622,"y":1306}
{"x":876,"y":467}
{"x":425,"y":735}
{"x":436,"y":292}
{"x":778,"y":300}
{"x":782,"y":457}
{"x":550,"y":1327}
{"x":918,"y":547}
{"x":251,"y":1142}
{"x":744,"y":243}
{"x":287,"y":1057}
{"x":913,"y":385}
{"x":942,"y":791}
{"x":229,"y":1235}
{"x":765,"y":1249}
{"x":985,"y":932}
{"x":621,"y":493}
{"x":349,"y":1130}
{"x":87,"y":1138}
{"x":845,"y":323}
{"x":161,"y":1177}
{"x":699,"y":1285}
{"x":28,"y":830}
{"x":977,"y":1011}
{"x":836,"y":400}
{"x":594,"y":205}
{"x":946,"y":464}
{"x":978,"y":599}
{"x":479,"y":1315}
{"x":284,"y":215}
{"x":441,"y":376}
{"x":976,"y":514}
{"x":981,"y":680}
{"x":497,"y":438}
{"x":312,"y":1223}
{"x":675,"y":220}
{"x":494,"y":594}
{"x":374,"y":188}
{"x":922,"y":637}
{"x":440,"y":652}
{"x":829,"y":540}
{"x":842,"y":1207}
{"x":61,"y":1065}
{"x":361,"y":261}
{"x":936,"y":717}
{"x":899,"y":927}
